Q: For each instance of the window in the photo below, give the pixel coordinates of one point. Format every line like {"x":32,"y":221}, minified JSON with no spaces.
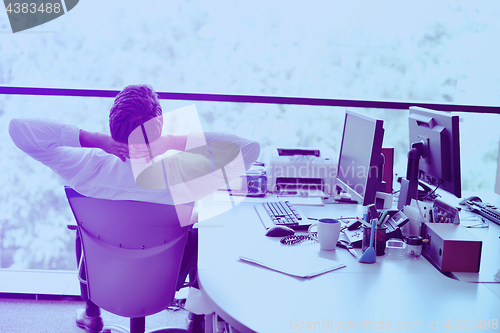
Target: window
{"x":383,"y":50}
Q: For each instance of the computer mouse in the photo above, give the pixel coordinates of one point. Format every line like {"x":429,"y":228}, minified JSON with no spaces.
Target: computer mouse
{"x":279,"y":231}
{"x":472,"y":198}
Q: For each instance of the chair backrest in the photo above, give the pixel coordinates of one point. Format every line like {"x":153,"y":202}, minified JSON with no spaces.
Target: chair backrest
{"x":132,"y":250}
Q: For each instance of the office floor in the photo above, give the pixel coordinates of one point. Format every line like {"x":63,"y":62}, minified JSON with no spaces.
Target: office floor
{"x":28,"y":316}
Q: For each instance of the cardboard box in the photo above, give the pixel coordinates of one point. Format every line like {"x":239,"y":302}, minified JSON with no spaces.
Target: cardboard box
{"x":451,"y":248}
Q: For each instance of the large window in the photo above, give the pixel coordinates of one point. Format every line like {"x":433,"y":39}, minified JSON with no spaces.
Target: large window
{"x":386,"y":49}
{"x":372,"y":50}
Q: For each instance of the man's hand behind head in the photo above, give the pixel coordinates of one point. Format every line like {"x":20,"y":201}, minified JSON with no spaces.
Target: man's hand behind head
{"x":104,"y":142}
{"x":157,"y":147}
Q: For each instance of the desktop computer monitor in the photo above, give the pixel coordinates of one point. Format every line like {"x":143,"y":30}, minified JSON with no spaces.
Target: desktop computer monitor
{"x":434,"y":156}
{"x":360,"y":160}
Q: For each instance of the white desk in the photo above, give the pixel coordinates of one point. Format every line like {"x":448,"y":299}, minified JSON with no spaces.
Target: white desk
{"x":390,"y":292}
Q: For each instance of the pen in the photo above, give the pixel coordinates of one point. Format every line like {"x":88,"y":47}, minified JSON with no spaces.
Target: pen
{"x":383,"y":218}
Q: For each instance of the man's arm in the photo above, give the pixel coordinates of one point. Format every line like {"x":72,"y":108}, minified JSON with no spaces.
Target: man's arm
{"x":90,"y":171}
{"x":211,"y":161}
{"x":38,"y":136}
{"x":104,"y":142}
{"x":250,"y":150}
{"x":35,"y":136}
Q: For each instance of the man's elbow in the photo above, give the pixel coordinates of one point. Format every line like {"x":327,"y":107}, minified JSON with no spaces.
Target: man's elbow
{"x":21,"y":133}
{"x":15,"y":127}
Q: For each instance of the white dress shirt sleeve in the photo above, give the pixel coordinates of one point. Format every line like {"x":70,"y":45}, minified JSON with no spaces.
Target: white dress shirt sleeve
{"x":37,"y":135}
{"x":249,"y":149}
{"x":90,"y":171}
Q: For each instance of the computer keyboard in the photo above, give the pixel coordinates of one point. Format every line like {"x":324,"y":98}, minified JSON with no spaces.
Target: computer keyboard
{"x":281,"y":213}
{"x":486,"y":210}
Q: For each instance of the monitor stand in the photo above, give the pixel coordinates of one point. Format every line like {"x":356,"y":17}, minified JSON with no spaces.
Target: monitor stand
{"x":409,"y":185}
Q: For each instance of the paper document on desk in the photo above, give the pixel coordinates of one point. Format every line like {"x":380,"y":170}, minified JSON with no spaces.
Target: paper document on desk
{"x":305,"y":266}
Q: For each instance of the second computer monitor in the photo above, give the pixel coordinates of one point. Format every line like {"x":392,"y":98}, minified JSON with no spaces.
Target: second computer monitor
{"x":360,"y":160}
{"x":438,"y":133}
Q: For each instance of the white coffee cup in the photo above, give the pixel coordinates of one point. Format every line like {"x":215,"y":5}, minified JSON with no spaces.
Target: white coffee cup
{"x":328,"y":233}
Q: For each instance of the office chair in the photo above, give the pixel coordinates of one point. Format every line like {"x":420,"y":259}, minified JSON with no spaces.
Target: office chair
{"x":132,"y":252}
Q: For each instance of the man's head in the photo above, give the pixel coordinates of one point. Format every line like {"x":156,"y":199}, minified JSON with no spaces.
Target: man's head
{"x":134,"y":106}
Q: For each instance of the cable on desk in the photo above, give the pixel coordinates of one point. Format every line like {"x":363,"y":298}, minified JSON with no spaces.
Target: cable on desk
{"x":430,"y":194}
{"x":306,"y":239}
{"x":338,"y":218}
{"x":297,"y":240}
{"x":483,"y":223}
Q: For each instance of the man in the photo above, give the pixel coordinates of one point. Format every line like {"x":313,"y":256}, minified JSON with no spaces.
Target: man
{"x":98,"y":165}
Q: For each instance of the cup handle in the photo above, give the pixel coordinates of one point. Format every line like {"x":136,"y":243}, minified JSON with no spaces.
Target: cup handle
{"x":310,"y":233}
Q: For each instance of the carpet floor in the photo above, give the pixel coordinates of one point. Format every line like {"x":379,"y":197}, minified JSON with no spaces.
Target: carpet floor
{"x":40,"y":316}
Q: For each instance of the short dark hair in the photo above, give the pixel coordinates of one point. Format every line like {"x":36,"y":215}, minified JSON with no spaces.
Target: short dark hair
{"x":133,"y":106}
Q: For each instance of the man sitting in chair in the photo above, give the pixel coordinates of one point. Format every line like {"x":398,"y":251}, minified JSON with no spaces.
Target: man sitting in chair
{"x":98,"y":165}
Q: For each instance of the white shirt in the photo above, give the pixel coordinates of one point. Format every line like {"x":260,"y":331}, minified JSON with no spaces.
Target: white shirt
{"x":95,"y":173}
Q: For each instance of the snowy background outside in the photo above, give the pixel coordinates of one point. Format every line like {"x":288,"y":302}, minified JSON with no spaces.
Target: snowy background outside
{"x":438,"y":51}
